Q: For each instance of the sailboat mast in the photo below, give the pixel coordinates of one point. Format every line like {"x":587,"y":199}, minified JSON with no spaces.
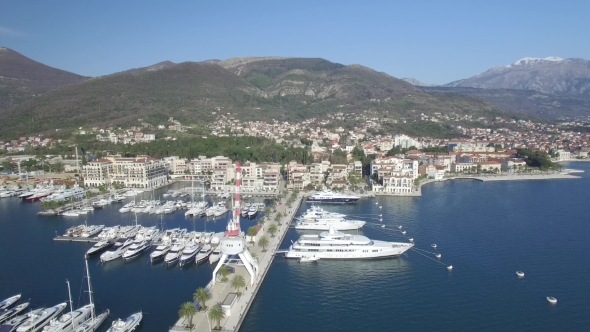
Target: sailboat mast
{"x":89,"y":289}
{"x":71,"y":303}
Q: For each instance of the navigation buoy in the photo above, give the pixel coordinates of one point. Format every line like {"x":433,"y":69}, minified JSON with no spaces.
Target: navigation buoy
{"x":380,"y":215}
{"x":438,"y":255}
{"x":404,"y":232}
{"x":380,"y":206}
{"x":400,"y":226}
{"x":380,"y":219}
{"x":411,"y":239}
{"x":376,"y":203}
{"x":433,"y":245}
{"x":382,"y":226}
{"x":450,"y":267}
{"x":551,"y":300}
{"x":520,"y":274}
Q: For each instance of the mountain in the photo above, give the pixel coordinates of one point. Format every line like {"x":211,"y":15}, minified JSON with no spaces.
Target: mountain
{"x":551,"y":75}
{"x":22,"y":78}
{"x":415,"y":82}
{"x":534,"y":103}
{"x":252,"y":88}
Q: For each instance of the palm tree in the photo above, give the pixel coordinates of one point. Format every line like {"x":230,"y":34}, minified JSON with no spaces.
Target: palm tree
{"x":238,"y":282}
{"x":187,"y":310}
{"x":202,"y":295}
{"x":272,"y":229}
{"x":263,"y":242}
{"x":261,"y":221}
{"x":267,"y":211}
{"x":224,"y":272}
{"x":278,"y":217}
{"x":216,"y":314}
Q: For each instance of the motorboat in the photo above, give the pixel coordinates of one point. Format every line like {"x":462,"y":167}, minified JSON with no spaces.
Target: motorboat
{"x":69,"y":320}
{"x":120,"y":247}
{"x":252,"y":212}
{"x":328,"y":196}
{"x":136,"y":249}
{"x":215,"y":255}
{"x":8,"y":193}
{"x":203,"y":254}
{"x":41,"y":318}
{"x":99,"y":247}
{"x":129,"y":324}
{"x":334,"y":244}
{"x":316,"y":212}
{"x":188,"y":254}
{"x":7,"y":314}
{"x":13,"y":323}
{"x":118,"y":197}
{"x":93,"y":323}
{"x":308,"y":259}
{"x":109,"y":233}
{"x":128,"y":231}
{"x":551,"y":300}
{"x":175,"y":252}
{"x":9,"y":302}
{"x":324,"y":224}
{"x":71,"y":213}
{"x":520,"y":274}
{"x":160,"y":252}
{"x":127,"y":207}
{"x":90,"y":231}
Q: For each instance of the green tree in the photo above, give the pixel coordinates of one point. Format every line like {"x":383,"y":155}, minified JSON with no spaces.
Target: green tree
{"x":216,"y":314}
{"x":187,"y":311}
{"x":252,"y":231}
{"x":202,"y":295}
{"x":278,"y":217}
{"x":224,"y":272}
{"x":237,"y":283}
{"x":261,"y":221}
{"x":267,"y":211}
{"x":272,"y":229}
{"x":263,"y":242}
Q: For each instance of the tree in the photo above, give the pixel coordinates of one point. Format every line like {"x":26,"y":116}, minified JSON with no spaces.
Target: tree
{"x":272,"y":229}
{"x":202,"y":295}
{"x":267,"y":211}
{"x":261,"y":221}
{"x":278,"y":217}
{"x":252,"y":231}
{"x":216,"y":314}
{"x":187,"y":311}
{"x":238,"y":282}
{"x":263,"y":242}
{"x":224,"y":272}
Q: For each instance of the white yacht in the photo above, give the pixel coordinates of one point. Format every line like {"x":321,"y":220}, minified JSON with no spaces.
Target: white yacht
{"x":99,"y":247}
{"x":316,"y":212}
{"x":175,"y":252}
{"x":203,"y":254}
{"x":252,"y":212}
{"x":90,"y":231}
{"x":337,"y":245}
{"x":93,"y":323}
{"x":13,"y":323}
{"x":160,"y":252}
{"x":215,"y":255}
{"x":339,"y":224}
{"x":120,"y":247}
{"x":69,"y":320}
{"x":7,"y":314}
{"x":127,"y":325}
{"x":127,"y":207}
{"x":109,"y":233}
{"x":5,"y":304}
{"x":188,"y":254}
{"x":136,"y":249}
{"x":328,"y":196}
{"x":41,"y":318}
{"x":9,"y":193}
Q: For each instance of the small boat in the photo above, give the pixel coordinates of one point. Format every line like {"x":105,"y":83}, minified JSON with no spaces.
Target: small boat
{"x":433,"y":245}
{"x":99,"y":247}
{"x":308,"y":259}
{"x":551,"y":300}
{"x":9,"y":313}
{"x":5,"y":304}
{"x":127,"y":325}
{"x":520,"y":274}
{"x":71,"y":213}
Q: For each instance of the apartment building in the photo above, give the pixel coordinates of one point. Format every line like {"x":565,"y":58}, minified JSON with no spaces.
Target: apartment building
{"x":138,"y":172}
{"x":396,"y":175}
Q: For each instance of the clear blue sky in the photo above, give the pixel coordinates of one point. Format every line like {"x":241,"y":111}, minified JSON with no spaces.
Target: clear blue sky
{"x":433,"y":41}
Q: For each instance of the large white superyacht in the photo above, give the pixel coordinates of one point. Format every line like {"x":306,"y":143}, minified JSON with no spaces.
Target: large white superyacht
{"x":337,"y":245}
{"x":328,"y":196}
{"x":316,"y":219}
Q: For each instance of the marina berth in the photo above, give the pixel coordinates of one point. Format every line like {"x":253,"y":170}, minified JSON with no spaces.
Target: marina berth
{"x":127,"y":325}
{"x":36,"y":321}
{"x":328,"y":196}
{"x":337,"y":245}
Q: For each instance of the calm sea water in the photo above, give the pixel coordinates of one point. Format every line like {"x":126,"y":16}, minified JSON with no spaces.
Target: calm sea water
{"x":487,"y":231}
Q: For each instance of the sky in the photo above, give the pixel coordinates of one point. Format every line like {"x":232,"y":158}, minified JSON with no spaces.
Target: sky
{"x":435,"y":42}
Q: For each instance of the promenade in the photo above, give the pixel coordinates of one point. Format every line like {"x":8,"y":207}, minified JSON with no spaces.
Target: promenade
{"x":220,"y":290}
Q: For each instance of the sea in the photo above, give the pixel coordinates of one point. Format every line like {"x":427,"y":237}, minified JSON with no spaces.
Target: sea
{"x":486,"y":230}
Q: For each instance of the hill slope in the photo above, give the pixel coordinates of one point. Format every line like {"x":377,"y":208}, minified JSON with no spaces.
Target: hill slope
{"x":551,"y":75}
{"x":22,"y":78}
{"x":249,"y":88}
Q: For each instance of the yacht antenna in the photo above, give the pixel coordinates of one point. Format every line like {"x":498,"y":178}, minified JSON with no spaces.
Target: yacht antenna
{"x":71,"y":303}
{"x":89,"y":289}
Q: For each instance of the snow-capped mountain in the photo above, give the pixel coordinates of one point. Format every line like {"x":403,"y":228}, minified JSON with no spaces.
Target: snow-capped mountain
{"x":548,"y":75}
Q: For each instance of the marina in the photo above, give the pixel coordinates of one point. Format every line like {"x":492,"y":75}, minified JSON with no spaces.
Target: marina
{"x":469,"y":245}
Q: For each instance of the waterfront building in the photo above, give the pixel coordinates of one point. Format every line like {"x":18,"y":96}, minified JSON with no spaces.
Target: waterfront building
{"x":138,"y":172}
{"x":463,"y":167}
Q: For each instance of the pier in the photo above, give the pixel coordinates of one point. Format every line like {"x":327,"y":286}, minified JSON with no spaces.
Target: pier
{"x":223,"y":290}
